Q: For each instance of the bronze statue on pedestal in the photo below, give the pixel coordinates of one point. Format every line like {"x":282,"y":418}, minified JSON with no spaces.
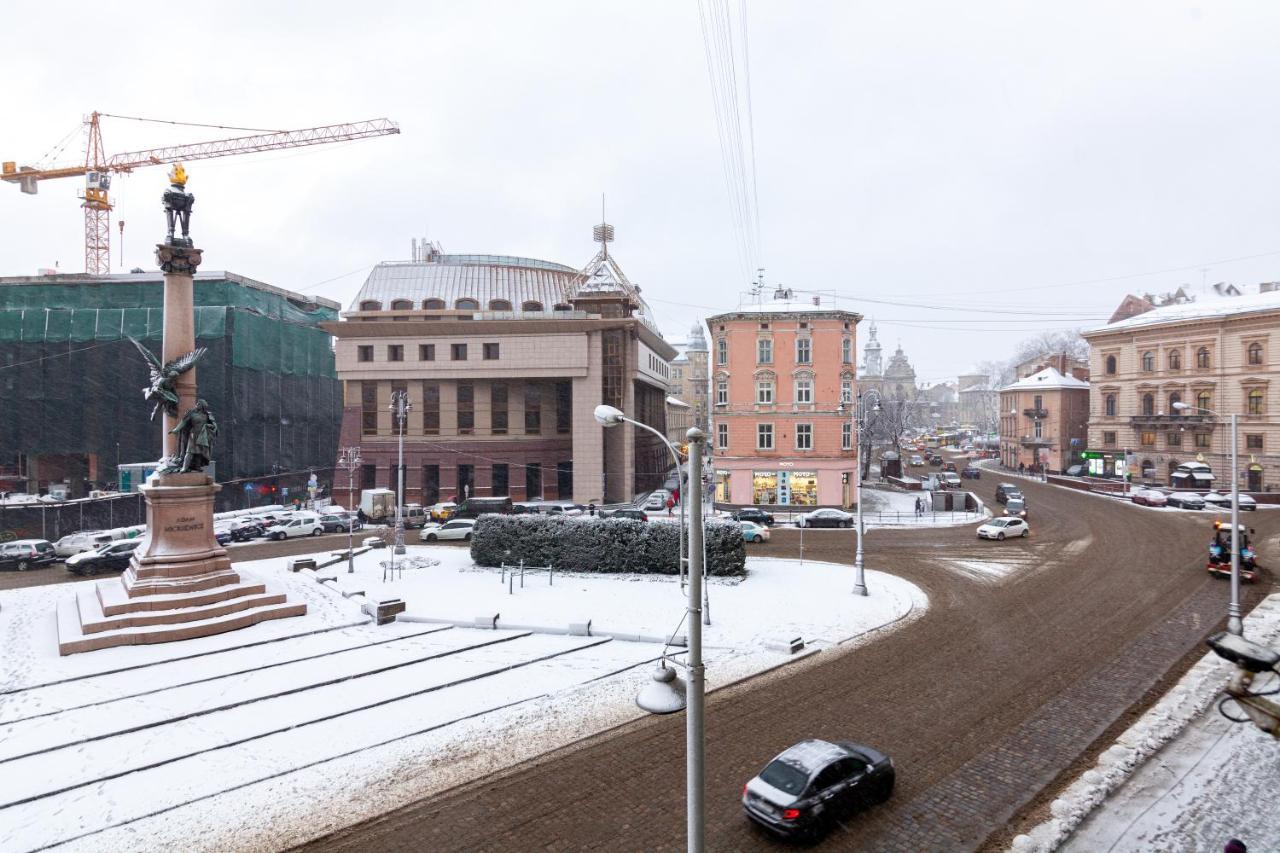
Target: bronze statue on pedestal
{"x":195,"y":432}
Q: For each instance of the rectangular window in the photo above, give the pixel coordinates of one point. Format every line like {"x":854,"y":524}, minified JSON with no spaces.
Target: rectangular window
{"x":430,"y":408}
{"x":564,"y":408}
{"x":533,"y":481}
{"x":1108,"y":439}
{"x":1253,"y":441}
{"x":430,"y":484}
{"x":722,"y":436}
{"x":722,"y":351}
{"x":364,"y":353}
{"x":764,"y":393}
{"x":426,"y":352}
{"x":466,"y":481}
{"x":1148,"y":439}
{"x":804,"y":436}
{"x":490,"y":352}
{"x":764,"y":436}
{"x":846,"y":351}
{"x":804,"y":351}
{"x":846,"y":391}
{"x":1202,"y":439}
{"x":1039,"y":432}
{"x":532,"y":410}
{"x":764,"y":351}
{"x":722,"y":393}
{"x":1173,"y":438}
{"x":501,"y":476}
{"x":395,"y":352}
{"x":498,"y":410}
{"x":369,"y":408}
{"x":564,"y":480}
{"x":804,"y":391}
{"x":846,"y":436}
{"x":458,"y":352}
{"x":466,"y":408}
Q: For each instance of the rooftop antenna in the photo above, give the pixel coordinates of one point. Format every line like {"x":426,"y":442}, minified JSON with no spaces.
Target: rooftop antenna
{"x":603,"y":233}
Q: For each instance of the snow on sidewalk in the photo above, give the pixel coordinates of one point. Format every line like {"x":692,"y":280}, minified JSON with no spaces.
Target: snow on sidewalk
{"x":1178,"y":778}
{"x":266,"y":737}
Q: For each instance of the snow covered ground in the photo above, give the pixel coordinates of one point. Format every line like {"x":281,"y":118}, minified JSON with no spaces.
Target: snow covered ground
{"x":265,"y":737}
{"x":1182,"y":778}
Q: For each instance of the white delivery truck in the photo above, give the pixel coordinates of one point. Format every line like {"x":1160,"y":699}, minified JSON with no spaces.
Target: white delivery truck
{"x":378,"y":505}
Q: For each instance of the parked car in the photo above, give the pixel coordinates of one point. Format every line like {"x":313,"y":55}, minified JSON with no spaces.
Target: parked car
{"x":1076,"y":471}
{"x":244,"y":529}
{"x":1016,"y":507}
{"x":634,"y":514}
{"x":1246,"y":503}
{"x":458,"y":528}
{"x":810,"y":786}
{"x":825,"y":518}
{"x":299,"y":525}
{"x":1223,"y":501}
{"x":1003,"y":528}
{"x":335,"y":522}
{"x":753,"y":513}
{"x":1149,"y":497}
{"x":222,"y":535}
{"x":112,"y":557}
{"x":1185,"y":500}
{"x":657,"y":500}
{"x":1004,"y":491}
{"x":917,"y":461}
{"x":24,"y":554}
{"x":475,"y":507}
{"x":752,"y":532}
{"x":85,"y":540}
{"x":441,"y":511}
{"x":971,"y":473}
{"x":951,"y":480}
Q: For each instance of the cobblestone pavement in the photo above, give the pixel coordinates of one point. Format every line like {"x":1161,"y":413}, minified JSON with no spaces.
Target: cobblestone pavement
{"x":1029,"y":650}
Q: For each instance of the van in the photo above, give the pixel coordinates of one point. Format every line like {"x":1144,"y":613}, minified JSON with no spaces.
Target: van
{"x":413,"y":516}
{"x":475,"y":507}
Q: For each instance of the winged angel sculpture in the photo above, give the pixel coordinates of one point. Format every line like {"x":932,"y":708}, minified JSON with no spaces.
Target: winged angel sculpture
{"x":164,"y":376}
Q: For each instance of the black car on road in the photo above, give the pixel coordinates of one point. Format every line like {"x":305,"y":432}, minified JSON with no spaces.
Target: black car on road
{"x":753,"y":513}
{"x":1005,"y":491}
{"x":112,"y":557}
{"x":633,"y":514}
{"x":26,"y":554}
{"x":810,"y":786}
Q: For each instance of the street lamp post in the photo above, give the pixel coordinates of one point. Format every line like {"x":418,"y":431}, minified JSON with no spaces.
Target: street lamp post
{"x":860,"y":424}
{"x":400,"y":408}
{"x":1235,"y":620}
{"x":349,"y":460}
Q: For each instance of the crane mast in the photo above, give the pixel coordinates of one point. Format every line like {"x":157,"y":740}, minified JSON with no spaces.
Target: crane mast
{"x":99,"y":168}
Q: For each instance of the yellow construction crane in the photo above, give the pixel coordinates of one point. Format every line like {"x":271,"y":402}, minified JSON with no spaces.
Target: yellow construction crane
{"x":98,"y":168}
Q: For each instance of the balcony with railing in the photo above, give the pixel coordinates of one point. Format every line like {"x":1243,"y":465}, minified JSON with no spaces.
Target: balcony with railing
{"x":1164,"y":422}
{"x":1036,"y":441}
{"x":1037,"y":413}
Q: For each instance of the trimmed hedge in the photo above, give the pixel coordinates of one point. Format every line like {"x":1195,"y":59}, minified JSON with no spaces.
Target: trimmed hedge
{"x":600,"y":545}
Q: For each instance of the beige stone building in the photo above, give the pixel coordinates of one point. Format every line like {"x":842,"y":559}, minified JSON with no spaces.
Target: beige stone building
{"x":504,"y":360}
{"x":690,"y":383}
{"x":1217,"y":354}
{"x":1044,"y":420}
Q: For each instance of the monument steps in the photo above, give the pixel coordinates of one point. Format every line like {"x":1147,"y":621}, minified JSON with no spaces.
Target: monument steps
{"x":93,"y":620}
{"x":115,"y":600}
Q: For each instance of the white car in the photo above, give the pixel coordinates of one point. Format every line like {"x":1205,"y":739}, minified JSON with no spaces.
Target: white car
{"x":951,"y":480}
{"x":1223,"y":501}
{"x":657,"y":500}
{"x":825,"y":518}
{"x":299,"y":525}
{"x":459,"y":528}
{"x":1003,"y":528}
{"x":85,"y":540}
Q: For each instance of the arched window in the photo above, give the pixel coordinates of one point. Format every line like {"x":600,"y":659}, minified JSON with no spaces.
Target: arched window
{"x":466,"y":305}
{"x":1148,"y":362}
{"x":371,"y":305}
{"x":1255,"y":353}
{"x":1175,"y":360}
{"x":499,"y":305}
{"x":433,"y":304}
{"x":1255,"y":401}
{"x":846,"y":350}
{"x":560,"y":306}
{"x":1204,"y":400}
{"x":1110,"y":368}
{"x":401,"y":305}
{"x":1148,"y":404}
{"x":1175,"y":397}
{"x":1148,"y":469}
{"x":1202,"y":358}
{"x":1109,"y":405}
{"x":531,"y":306}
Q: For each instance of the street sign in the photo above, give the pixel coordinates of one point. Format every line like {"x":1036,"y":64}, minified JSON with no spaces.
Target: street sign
{"x":1091,"y":454}
{"x":248,"y":487}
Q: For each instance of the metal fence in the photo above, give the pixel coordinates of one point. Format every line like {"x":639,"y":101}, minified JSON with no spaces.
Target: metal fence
{"x":508,"y":575}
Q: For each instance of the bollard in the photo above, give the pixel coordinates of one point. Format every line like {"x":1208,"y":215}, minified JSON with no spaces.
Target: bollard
{"x":522,"y":572}
{"x":511,"y":580}
{"x":551,"y":575}
{"x":502,"y":576}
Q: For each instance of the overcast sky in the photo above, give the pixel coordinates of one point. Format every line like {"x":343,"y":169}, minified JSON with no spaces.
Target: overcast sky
{"x":969,"y":155}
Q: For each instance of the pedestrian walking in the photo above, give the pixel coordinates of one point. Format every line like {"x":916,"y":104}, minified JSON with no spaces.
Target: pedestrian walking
{"x":670,"y":505}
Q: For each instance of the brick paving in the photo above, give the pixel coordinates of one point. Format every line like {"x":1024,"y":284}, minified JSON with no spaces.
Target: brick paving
{"x":981,"y":702}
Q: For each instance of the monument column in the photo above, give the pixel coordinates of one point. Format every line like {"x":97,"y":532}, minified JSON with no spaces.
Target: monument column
{"x":179,"y":266}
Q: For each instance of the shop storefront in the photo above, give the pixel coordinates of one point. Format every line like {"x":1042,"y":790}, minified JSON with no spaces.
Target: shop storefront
{"x":784,"y":488}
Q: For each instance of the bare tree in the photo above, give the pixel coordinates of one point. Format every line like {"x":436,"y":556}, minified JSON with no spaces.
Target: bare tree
{"x":1066,"y":341}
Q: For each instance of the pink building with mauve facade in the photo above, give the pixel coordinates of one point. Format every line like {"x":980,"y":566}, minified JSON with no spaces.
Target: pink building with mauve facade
{"x":780,"y":371}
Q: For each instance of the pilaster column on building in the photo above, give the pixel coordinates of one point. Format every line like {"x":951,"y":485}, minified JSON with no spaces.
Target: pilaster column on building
{"x":588,"y":435}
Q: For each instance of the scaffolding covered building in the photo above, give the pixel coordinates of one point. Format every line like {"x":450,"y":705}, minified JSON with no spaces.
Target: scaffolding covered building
{"x":72,"y":381}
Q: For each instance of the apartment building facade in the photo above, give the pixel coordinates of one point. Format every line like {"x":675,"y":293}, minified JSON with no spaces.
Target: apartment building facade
{"x":1217,"y":356}
{"x":783,"y":382}
{"x":1044,"y":421}
{"x":504,"y":360}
